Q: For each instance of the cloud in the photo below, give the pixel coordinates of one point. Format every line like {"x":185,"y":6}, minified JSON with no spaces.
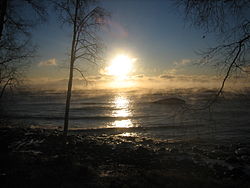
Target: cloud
{"x":179,"y":67}
{"x":49,"y":62}
{"x":182,"y":62}
{"x":166,"y":76}
{"x":95,"y":77}
{"x":170,"y":71}
{"x":164,"y":81}
{"x":139,"y":76}
{"x":188,"y":78}
{"x":246,"y":68}
{"x":117,"y":30}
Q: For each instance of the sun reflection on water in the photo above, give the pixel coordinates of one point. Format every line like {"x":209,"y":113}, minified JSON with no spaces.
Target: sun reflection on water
{"x":127,"y":134}
{"x":122,"y":123}
{"x":121,"y":102}
{"x":122,"y":109}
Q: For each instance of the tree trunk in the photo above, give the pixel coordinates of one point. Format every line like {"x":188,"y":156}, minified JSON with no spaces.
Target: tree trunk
{"x":66,"y":116}
{"x":72,"y":60}
{"x":3,"y":8}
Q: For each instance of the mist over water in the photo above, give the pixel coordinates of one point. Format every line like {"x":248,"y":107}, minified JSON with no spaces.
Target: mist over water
{"x":136,"y":111}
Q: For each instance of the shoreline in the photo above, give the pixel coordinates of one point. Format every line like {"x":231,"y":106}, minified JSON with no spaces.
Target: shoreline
{"x":35,"y":157}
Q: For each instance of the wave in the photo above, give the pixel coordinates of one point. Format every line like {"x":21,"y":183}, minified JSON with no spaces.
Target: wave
{"x":112,"y":118}
{"x":91,"y":103}
{"x":93,"y":108}
{"x":149,"y":128}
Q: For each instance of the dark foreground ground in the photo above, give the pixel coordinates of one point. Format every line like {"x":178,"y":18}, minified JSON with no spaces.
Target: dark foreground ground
{"x":42,"y":158}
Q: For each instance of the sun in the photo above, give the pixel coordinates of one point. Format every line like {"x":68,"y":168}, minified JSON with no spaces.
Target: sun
{"x":120,"y":66}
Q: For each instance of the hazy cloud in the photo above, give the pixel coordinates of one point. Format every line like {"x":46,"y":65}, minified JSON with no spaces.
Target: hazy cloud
{"x":94,"y":78}
{"x":49,"y":62}
{"x":166,"y":76}
{"x":182,"y":62}
{"x":164,"y":81}
{"x":187,"y":78}
{"x":170,"y":71}
{"x":139,"y":76}
{"x":117,"y":29}
{"x":246,"y":69}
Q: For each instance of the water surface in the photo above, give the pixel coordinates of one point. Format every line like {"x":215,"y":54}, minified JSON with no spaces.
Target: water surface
{"x":101,"y":109}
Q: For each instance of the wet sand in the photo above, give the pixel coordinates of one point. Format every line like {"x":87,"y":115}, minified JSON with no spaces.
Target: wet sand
{"x":36,"y":157}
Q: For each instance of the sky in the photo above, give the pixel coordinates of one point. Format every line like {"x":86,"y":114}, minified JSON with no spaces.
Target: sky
{"x":152,"y":32}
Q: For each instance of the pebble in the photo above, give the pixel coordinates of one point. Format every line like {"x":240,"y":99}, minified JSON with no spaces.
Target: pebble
{"x":231,"y":159}
{"x":242,"y":151}
{"x":245,"y":158}
{"x":195,"y":149}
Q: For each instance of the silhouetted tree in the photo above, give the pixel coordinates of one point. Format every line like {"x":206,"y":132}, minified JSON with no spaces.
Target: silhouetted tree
{"x":17,"y":18}
{"x":85,"y":19}
{"x":230,"y":21}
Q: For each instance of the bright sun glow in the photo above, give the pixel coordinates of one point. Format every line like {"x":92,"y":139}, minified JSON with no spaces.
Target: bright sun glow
{"x":120,"y":66}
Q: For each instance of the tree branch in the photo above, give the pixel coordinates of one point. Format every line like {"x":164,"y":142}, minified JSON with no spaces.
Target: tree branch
{"x":78,"y":70}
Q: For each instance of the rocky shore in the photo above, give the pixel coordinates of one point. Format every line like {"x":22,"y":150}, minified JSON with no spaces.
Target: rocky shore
{"x":36,"y":157}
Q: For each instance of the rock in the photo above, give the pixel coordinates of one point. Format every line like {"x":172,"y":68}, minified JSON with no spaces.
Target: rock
{"x":172,"y":150}
{"x":142,"y":150}
{"x":242,"y":151}
{"x":231,"y":160}
{"x":162,"y":149}
{"x":245,"y":158}
{"x":237,"y":172}
{"x":196,"y":149}
{"x":219,"y":170}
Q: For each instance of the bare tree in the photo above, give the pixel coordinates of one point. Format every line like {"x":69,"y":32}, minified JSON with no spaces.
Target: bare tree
{"x":230,"y":21}
{"x":85,"y":20}
{"x":15,"y":46}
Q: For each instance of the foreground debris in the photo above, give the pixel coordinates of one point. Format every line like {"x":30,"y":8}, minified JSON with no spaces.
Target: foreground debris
{"x":43,"y":158}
